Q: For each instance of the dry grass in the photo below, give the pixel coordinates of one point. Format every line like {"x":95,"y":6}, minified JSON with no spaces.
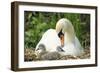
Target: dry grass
{"x":31,"y":56}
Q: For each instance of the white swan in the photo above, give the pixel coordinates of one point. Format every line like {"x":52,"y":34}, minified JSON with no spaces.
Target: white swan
{"x":50,"y":40}
{"x":52,"y":43}
{"x":72,"y":45}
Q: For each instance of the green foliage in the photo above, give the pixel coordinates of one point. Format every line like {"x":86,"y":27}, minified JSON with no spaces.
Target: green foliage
{"x":36,"y":23}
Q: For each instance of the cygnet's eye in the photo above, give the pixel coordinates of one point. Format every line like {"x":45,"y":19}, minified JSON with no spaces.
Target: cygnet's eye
{"x":37,"y":49}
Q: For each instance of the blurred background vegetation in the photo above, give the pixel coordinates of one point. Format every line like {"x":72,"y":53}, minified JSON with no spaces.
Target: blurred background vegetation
{"x":36,"y":23}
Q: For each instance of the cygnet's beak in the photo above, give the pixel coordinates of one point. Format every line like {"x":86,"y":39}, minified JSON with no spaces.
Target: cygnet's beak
{"x":37,"y":54}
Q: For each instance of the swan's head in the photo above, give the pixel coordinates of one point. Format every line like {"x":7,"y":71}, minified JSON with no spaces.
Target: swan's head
{"x":64,"y":26}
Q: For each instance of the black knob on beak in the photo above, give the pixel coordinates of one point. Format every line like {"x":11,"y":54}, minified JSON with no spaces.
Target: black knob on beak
{"x":61,"y":36}
{"x":60,"y":33}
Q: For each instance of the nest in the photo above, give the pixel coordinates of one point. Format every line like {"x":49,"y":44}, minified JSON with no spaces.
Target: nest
{"x":31,"y":56}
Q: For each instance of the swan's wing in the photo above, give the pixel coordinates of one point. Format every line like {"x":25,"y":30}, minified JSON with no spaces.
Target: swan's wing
{"x":50,"y":39}
{"x":78,"y":45}
{"x":73,"y":48}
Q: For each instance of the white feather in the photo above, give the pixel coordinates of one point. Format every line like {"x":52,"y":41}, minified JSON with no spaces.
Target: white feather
{"x":50,"y":39}
{"x":72,"y":45}
{"x":73,"y":48}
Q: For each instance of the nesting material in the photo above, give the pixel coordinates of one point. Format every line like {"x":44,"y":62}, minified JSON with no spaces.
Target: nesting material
{"x":30,"y":55}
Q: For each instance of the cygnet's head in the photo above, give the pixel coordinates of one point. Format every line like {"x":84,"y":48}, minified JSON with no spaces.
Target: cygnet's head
{"x":59,"y":49}
{"x":41,"y":49}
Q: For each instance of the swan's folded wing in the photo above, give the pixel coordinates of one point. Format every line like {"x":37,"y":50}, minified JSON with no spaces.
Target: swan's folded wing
{"x":50,"y":39}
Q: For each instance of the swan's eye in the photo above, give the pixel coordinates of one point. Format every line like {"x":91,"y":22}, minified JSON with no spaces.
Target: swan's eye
{"x":60,"y":33}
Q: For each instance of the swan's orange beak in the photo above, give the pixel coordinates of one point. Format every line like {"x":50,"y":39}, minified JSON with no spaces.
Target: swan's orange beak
{"x":62,"y":40}
{"x":60,"y":33}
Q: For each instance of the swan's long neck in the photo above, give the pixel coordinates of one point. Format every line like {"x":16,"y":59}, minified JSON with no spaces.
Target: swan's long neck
{"x":68,"y":37}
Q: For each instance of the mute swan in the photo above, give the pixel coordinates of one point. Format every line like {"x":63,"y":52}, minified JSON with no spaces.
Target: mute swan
{"x":50,"y":40}
{"x":71,"y":43}
{"x":67,"y":44}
